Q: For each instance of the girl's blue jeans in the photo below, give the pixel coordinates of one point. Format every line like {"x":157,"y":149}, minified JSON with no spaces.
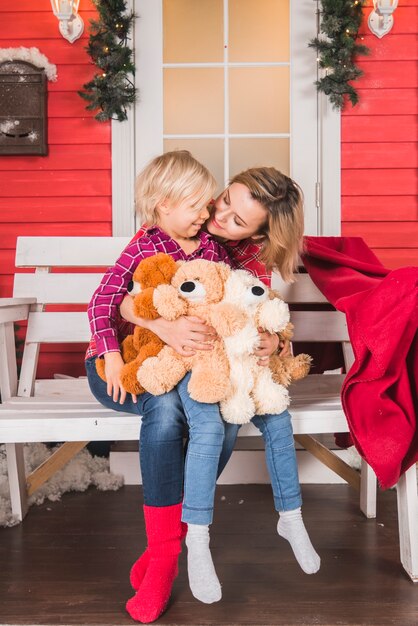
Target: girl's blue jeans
{"x":161,"y":439}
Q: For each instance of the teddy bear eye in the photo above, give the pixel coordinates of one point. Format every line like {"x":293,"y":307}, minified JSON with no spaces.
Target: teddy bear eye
{"x":133,"y":288}
{"x":192,"y":290}
{"x":257,"y":291}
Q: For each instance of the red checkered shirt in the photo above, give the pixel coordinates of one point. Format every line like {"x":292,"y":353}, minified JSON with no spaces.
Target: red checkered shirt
{"x":107,"y":326}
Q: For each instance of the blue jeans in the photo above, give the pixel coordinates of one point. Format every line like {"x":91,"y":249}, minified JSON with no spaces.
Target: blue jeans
{"x":281,"y":459}
{"x":161,"y":440}
{"x":205,"y":424}
{"x":206,"y":437}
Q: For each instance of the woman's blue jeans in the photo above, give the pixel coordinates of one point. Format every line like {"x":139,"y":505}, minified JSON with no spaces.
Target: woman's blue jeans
{"x":161,"y":439}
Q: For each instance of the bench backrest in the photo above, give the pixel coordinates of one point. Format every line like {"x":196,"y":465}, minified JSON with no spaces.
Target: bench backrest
{"x":56,"y":281}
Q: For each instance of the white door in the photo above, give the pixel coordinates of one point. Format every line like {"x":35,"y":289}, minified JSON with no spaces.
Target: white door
{"x":233,"y":82}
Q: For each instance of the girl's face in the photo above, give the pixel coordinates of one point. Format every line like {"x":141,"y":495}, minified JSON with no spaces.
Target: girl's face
{"x":236,"y":215}
{"x":184,"y":219}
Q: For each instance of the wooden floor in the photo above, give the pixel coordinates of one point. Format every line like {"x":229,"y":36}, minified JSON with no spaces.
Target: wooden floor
{"x":68,"y":563}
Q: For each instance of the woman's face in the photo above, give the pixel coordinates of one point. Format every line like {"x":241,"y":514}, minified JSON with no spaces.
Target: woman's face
{"x":236,"y":214}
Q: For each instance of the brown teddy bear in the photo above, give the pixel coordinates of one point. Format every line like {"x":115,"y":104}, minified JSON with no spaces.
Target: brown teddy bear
{"x":151,"y":272}
{"x":197,"y":288}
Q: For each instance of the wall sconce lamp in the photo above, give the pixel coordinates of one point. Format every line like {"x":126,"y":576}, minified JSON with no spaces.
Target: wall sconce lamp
{"x":381,"y":19}
{"x":71,"y":25}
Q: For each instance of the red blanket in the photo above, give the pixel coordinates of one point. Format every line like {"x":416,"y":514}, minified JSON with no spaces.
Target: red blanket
{"x":379,"y":395}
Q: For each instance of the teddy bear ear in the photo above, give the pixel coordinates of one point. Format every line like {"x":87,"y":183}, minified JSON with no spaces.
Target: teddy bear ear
{"x":223,"y":270}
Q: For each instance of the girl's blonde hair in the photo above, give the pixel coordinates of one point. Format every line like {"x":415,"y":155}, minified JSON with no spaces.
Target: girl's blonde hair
{"x":173,"y":176}
{"x":283,"y":231}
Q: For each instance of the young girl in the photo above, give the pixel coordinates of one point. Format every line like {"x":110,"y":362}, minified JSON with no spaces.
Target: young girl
{"x":260,"y":215}
{"x":172,"y":195}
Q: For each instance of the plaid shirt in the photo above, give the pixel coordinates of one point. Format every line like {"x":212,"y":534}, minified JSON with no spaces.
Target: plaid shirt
{"x":107,"y":327}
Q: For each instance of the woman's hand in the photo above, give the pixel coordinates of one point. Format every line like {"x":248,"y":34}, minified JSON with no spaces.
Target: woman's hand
{"x":185,"y":334}
{"x":113,"y":368}
{"x":269,"y":344}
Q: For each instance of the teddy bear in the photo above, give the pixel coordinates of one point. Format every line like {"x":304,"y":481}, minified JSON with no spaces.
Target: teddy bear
{"x":150,"y":273}
{"x":236,"y":304}
{"x":258,"y":389}
{"x":197,"y":288}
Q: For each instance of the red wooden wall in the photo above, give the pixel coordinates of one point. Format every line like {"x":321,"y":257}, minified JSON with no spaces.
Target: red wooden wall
{"x":379,"y":144}
{"x":67,"y":192}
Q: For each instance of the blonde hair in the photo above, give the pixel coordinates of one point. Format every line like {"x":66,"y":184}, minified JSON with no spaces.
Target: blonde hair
{"x":283,"y":230}
{"x":172,"y":176}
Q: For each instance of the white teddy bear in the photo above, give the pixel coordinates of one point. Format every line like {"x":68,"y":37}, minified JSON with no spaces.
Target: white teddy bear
{"x":253,"y":390}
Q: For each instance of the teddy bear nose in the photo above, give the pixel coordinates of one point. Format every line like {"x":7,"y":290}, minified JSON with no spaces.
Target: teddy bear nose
{"x":130,"y":285}
{"x":188,"y":286}
{"x":257,"y":291}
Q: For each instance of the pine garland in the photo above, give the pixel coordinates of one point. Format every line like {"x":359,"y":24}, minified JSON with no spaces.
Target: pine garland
{"x":111,"y":90}
{"x":336,"y":52}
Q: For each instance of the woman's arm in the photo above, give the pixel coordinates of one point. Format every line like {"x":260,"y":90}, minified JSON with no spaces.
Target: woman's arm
{"x":185,"y":334}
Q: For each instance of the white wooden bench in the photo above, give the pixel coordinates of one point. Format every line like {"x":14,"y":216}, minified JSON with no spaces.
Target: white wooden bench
{"x":64,"y":410}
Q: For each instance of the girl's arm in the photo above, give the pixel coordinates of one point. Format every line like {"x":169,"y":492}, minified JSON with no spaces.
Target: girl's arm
{"x":103,"y":313}
{"x":185,"y":334}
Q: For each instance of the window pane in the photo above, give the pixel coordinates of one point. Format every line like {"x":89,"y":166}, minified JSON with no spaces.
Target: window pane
{"x":258,"y":30}
{"x":193,"y":100}
{"x":209,"y":151}
{"x":193,"y":31}
{"x":259,"y":99}
{"x":245,"y":153}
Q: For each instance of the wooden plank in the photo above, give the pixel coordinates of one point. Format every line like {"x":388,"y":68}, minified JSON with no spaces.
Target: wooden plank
{"x":78,"y":131}
{"x":20,"y":27}
{"x":66,"y":104}
{"x":59,"y":251}
{"x":330,"y":459}
{"x":408,"y":521}
{"x":24,"y":428}
{"x":319,"y":326}
{"x":377,"y":128}
{"x":55,"y":49}
{"x":379,"y":208}
{"x":392,"y":182}
{"x":385,"y":234}
{"x":397,"y":47}
{"x":61,"y":183}
{"x":16,"y":476}
{"x":63,"y":157}
{"x":385,"y":102}
{"x":54,"y":463}
{"x":10,"y":232}
{"x":57,"y":288}
{"x":397,"y":257}
{"x":29,"y":7}
{"x":73,"y":77}
{"x":371,"y":156}
{"x":302,"y":290}
{"x":56,"y":208}
{"x":387,"y":74}
{"x":54,"y":328}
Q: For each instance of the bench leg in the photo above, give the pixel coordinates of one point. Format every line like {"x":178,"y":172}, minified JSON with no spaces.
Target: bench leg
{"x":17,"y":479}
{"x":407,"y":496}
{"x":368,"y":489}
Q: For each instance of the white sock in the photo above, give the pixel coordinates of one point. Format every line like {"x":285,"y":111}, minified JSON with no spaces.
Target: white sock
{"x":291,"y":527}
{"x":203,"y":581}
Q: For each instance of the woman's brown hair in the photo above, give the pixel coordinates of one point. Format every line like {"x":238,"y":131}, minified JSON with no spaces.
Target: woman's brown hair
{"x":283,"y":231}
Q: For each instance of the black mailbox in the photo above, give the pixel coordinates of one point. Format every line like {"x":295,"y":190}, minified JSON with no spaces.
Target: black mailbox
{"x":23,"y":111}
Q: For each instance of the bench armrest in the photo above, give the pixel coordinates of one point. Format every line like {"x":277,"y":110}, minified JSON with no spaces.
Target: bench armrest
{"x":15,"y":309}
{"x":11,"y":310}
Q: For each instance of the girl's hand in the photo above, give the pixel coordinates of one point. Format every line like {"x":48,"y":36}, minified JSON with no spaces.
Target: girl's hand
{"x":268,"y":344}
{"x":113,"y":368}
{"x":185,"y":334}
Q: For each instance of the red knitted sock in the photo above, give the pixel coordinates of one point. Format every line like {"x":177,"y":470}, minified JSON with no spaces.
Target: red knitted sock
{"x":140,"y":566}
{"x":163,"y":526}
